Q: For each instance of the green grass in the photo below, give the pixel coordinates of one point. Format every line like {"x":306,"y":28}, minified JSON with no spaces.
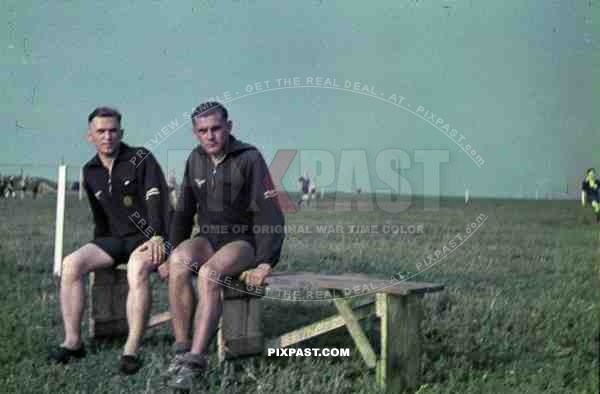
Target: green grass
{"x":519,"y":313}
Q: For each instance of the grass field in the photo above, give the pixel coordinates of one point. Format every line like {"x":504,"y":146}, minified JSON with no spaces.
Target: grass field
{"x":519,"y":313}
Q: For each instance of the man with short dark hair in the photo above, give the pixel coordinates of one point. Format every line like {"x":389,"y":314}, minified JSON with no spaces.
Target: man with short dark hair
{"x":227,"y":183}
{"x":129,"y":204}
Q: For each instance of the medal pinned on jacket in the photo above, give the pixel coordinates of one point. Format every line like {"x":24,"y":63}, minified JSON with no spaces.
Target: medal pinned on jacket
{"x":127,"y":198}
{"x":128,"y":201}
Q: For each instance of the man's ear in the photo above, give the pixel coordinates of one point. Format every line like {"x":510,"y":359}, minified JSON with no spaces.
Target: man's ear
{"x":88,"y":135}
{"x":196,"y":135}
{"x":121,"y":133}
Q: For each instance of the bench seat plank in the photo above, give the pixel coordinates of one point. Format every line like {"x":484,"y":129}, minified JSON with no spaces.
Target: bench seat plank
{"x":367,"y":284}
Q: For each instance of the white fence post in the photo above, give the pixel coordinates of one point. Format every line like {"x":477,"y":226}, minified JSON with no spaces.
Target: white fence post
{"x":81,"y":183}
{"x":60,"y":219}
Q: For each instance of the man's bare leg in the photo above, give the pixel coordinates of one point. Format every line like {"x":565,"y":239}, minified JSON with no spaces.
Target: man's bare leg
{"x":185,"y":260}
{"x":72,"y":296}
{"x":231,"y":260}
{"x":139,"y":298}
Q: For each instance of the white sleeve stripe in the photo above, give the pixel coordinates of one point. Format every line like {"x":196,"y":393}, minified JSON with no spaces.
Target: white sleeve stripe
{"x":151,"y":193}
{"x":153,"y":189}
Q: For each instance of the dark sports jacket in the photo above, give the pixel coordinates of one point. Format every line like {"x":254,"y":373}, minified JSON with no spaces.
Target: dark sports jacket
{"x":133,"y":200}
{"x":231,"y":201}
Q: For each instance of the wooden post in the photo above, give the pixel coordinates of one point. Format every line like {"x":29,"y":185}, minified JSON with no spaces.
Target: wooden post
{"x":60,"y":219}
{"x":81,"y":183}
{"x":107,"y":302}
{"x":360,"y":339}
{"x":400,"y":364}
{"x":240,"y":327}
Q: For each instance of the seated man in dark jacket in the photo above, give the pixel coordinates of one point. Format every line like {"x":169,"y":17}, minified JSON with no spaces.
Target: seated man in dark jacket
{"x":228,"y":184}
{"x":127,"y":193}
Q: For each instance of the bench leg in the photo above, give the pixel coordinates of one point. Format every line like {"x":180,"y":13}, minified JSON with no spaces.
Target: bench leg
{"x":400,"y":364}
{"x":107,"y":295}
{"x":360,"y":339}
{"x":240,"y":328}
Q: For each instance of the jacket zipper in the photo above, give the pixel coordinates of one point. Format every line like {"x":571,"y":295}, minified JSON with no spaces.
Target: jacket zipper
{"x":214,"y":172}
{"x":212,"y":179}
{"x":110,"y":178}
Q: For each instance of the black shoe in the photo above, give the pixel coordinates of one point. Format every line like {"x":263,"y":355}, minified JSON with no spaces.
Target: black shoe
{"x":129,"y":364}
{"x":62,"y":355}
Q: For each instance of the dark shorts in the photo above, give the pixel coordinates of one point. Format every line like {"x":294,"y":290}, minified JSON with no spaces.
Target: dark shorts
{"x":120,"y":248}
{"x":218,"y":241}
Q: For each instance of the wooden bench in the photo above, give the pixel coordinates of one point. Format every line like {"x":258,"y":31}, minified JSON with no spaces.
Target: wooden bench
{"x":397,"y":305}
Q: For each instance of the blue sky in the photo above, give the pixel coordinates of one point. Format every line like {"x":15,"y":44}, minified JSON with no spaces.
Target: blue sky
{"x":515,"y":79}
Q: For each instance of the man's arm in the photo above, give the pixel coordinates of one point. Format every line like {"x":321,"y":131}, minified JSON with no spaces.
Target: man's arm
{"x":155,"y":191}
{"x":183,"y":218}
{"x":270,"y":243}
{"x":101,"y":227}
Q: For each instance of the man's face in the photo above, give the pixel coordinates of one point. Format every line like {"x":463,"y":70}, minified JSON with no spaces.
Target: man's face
{"x":591,"y":175}
{"x":106,"y":134}
{"x":212,"y":131}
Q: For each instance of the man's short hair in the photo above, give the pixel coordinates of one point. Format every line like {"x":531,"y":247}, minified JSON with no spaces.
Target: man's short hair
{"x":208,"y":108}
{"x":105,"y":112}
{"x":589,"y":170}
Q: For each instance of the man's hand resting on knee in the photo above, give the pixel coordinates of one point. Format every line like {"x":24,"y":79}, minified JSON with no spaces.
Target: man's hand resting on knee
{"x":256,"y":276}
{"x":156,"y":246}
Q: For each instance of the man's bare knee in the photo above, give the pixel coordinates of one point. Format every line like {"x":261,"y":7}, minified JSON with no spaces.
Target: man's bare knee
{"x":210,"y":278}
{"x":73,"y":268}
{"x":180,"y":265}
{"x":189,"y":257}
{"x":138,"y":271}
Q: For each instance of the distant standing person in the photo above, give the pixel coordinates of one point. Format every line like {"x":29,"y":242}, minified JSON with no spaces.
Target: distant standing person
{"x":590,"y":192}
{"x":37,"y":184}
{"x":10,"y":188}
{"x":313,"y":190}
{"x":304,"y":189}
{"x":172,"y":184}
{"x":22,"y":187}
